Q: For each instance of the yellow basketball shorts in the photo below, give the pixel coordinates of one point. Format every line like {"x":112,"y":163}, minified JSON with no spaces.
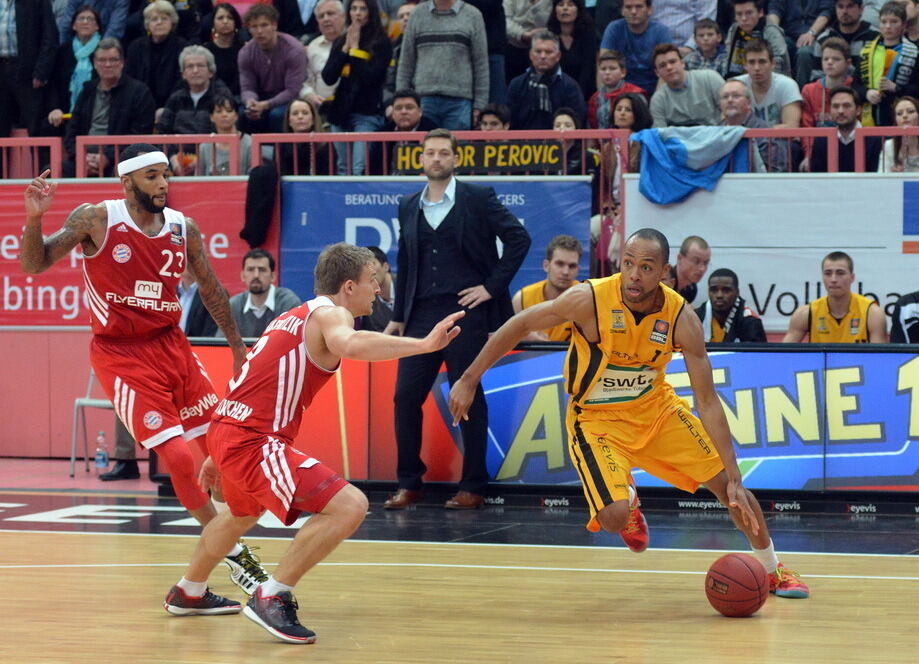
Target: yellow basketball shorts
{"x":660,"y":436}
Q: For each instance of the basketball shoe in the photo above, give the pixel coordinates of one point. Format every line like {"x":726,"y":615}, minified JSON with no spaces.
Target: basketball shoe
{"x":785,"y":583}
{"x":246,"y":569}
{"x":278,"y":615}
{"x":209,"y":604}
{"x":635,"y":534}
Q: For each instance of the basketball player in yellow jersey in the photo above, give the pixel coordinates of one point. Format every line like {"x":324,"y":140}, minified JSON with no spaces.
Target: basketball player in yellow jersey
{"x":621,"y":411}
{"x":841,"y":316}
{"x":562,"y":264}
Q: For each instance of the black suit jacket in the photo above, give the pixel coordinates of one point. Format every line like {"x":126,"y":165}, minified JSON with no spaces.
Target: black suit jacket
{"x":131,"y":112}
{"x":36,"y":34}
{"x":873,"y":147}
{"x":482,"y":218}
{"x":199,"y":322}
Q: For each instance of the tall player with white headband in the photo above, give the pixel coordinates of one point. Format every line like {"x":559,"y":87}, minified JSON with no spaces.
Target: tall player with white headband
{"x":135,"y":250}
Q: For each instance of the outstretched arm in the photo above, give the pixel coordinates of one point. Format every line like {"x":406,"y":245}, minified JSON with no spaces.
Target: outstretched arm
{"x":38,"y":252}
{"x":575,"y":304}
{"x":213,"y":294}
{"x":342,"y":340}
{"x":688,"y":335}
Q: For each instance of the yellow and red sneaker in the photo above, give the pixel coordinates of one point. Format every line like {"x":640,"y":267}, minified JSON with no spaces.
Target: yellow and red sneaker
{"x":635,"y":534}
{"x":785,"y":583}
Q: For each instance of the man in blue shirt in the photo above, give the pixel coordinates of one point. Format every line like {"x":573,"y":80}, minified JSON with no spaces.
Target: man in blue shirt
{"x":635,"y":35}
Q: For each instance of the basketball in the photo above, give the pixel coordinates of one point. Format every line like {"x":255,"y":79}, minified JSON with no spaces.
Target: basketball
{"x":736,"y":585}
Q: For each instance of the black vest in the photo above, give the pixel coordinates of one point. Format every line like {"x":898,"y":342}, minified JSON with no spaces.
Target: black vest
{"x":442,"y":268}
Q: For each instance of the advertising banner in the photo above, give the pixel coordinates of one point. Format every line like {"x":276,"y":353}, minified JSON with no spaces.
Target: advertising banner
{"x":810,"y":421}
{"x":485,"y":157}
{"x":316,"y":212}
{"x":56,"y":297}
{"x":774,"y":230}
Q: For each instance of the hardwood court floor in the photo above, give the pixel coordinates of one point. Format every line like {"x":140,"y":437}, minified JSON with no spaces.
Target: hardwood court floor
{"x":97,"y":597}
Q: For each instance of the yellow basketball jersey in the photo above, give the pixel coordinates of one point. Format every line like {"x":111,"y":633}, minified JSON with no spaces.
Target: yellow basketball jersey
{"x":853,"y":328}
{"x":627,"y":366}
{"x":534,"y":294}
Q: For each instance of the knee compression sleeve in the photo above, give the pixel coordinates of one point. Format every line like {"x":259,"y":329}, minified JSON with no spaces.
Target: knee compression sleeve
{"x":181,"y":465}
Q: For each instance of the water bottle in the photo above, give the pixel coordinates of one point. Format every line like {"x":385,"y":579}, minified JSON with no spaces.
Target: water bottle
{"x":101,"y":453}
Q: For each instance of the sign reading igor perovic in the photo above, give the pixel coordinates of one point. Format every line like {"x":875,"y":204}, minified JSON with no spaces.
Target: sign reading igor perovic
{"x":484,"y":157}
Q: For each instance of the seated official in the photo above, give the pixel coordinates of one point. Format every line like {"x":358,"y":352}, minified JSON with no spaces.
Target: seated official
{"x":724,"y":316}
{"x":262,"y":302}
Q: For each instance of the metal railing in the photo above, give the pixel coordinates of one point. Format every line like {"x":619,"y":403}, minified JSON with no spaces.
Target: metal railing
{"x":23,"y":157}
{"x":174,"y":145}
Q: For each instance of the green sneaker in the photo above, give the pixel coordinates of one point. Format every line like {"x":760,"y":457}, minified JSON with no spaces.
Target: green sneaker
{"x":246,"y":569}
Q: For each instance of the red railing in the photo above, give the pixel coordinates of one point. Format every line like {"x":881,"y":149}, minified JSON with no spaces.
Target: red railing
{"x":167,"y":142}
{"x":23,"y":157}
{"x":883,"y":132}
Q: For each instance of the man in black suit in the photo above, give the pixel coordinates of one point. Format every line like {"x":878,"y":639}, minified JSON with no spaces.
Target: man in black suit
{"x":26,"y":62}
{"x":448,"y":260}
{"x":845,"y":109}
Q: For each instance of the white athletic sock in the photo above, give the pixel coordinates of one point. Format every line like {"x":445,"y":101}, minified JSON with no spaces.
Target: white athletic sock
{"x":236,"y":550}
{"x":219,"y":506}
{"x":767,"y":557}
{"x":192,"y":588}
{"x":632,"y":496}
{"x":272,"y":587}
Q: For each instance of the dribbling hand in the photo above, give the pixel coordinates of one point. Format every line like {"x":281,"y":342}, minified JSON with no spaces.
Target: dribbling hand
{"x":39,"y":195}
{"x":738,"y":498}
{"x":461,"y":395}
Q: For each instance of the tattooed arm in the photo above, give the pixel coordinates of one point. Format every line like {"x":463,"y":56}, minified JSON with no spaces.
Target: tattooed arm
{"x":38,"y":252}
{"x":213,"y":294}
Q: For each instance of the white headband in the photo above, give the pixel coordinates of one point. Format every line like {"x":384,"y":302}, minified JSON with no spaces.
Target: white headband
{"x":140,"y":161}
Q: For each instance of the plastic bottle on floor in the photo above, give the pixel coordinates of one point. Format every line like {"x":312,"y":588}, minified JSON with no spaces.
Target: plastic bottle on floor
{"x":101,"y":454}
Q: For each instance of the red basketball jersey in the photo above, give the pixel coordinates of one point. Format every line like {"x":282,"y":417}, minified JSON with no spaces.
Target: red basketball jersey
{"x":132,"y":280}
{"x":278,"y":379}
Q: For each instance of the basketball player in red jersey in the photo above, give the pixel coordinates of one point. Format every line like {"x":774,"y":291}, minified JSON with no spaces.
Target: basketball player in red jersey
{"x":134,"y":252}
{"x":253,"y":427}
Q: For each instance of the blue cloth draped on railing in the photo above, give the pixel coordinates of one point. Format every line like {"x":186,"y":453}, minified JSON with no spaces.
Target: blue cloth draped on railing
{"x":675,"y":161}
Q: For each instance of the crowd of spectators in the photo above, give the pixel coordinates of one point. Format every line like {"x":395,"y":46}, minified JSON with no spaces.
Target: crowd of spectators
{"x":457,"y":57}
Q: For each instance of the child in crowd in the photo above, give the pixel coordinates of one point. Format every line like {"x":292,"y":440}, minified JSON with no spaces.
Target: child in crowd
{"x":709,"y":52}
{"x":611,"y":84}
{"x":888,"y":69}
{"x":214,"y":158}
{"x":816,"y":95}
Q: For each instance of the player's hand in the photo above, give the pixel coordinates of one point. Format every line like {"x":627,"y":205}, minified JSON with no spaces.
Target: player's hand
{"x":208,"y":477}
{"x":461,"y":395}
{"x":39,"y":195}
{"x":443,"y":333}
{"x":472,"y":297}
{"x":738,"y":498}
{"x":392,"y":327}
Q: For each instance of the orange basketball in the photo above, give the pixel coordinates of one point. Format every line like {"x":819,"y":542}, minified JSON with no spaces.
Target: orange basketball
{"x":736,"y":585}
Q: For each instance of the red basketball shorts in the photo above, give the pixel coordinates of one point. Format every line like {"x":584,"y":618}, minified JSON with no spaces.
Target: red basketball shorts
{"x":259,"y":472}
{"x":158,"y":386}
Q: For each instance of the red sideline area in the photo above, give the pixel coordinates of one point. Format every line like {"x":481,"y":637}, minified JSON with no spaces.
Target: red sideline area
{"x":47,"y":370}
